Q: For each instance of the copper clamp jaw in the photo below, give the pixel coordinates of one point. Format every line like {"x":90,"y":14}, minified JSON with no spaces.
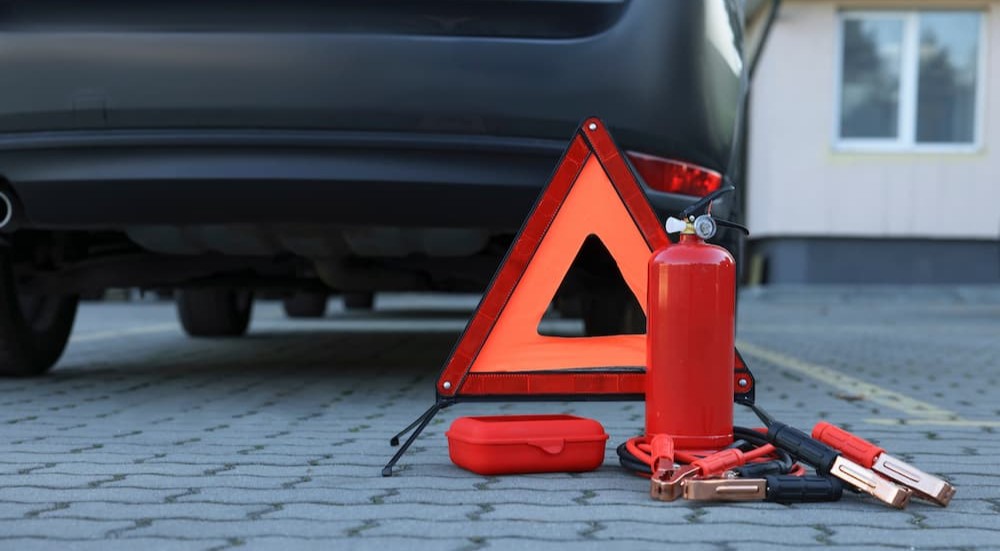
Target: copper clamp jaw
{"x":669,"y":485}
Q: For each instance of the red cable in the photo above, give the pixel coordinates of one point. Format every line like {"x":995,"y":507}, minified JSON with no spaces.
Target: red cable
{"x":639,"y":447}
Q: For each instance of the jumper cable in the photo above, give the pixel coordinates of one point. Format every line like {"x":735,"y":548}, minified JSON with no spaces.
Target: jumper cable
{"x":863,"y":452}
{"x":672,"y":471}
{"x":828,"y":461}
{"x":776,"y":488}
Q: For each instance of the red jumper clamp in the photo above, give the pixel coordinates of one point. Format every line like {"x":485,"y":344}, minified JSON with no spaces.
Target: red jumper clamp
{"x":863,"y":452}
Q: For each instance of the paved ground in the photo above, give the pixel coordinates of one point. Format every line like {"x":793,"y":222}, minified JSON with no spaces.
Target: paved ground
{"x":141,"y":437}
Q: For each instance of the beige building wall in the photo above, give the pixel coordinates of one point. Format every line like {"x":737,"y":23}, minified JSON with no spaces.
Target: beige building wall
{"x":800,"y":185}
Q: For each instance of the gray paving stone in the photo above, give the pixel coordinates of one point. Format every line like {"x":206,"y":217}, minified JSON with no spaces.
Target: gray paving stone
{"x":293,"y":495}
{"x":916,"y":538}
{"x":117,"y":466}
{"x":131,"y":511}
{"x":775,"y":515}
{"x":652,"y":511}
{"x":63,"y":528}
{"x":219,"y":482}
{"x":698,"y":533}
{"x":927,"y":518}
{"x":756,"y":545}
{"x":121,"y":544}
{"x":336,"y":483}
{"x":588,"y":545}
{"x":322,"y":512}
{"x":556,"y":497}
{"x":276,"y":441}
{"x":32,"y":478}
{"x":249,"y":529}
{"x":541,"y":530}
{"x":110,"y":495}
{"x":410,"y":543}
{"x":13,"y":511}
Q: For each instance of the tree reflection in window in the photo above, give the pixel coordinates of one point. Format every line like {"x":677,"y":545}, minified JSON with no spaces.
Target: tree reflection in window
{"x":946,"y":96}
{"x":871,"y":68}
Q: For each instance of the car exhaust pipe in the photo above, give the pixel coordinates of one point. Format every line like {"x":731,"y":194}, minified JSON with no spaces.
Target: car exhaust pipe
{"x":6,"y":210}
{"x":9,"y":214}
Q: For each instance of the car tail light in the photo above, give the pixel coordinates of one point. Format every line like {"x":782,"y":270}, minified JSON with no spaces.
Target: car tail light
{"x":675,"y":176}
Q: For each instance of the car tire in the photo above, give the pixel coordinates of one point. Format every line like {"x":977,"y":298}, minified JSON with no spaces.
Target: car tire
{"x":611,"y":314}
{"x":214,"y":312}
{"x":359,"y":300}
{"x":568,"y":307}
{"x":305,"y":305}
{"x":33,"y":329}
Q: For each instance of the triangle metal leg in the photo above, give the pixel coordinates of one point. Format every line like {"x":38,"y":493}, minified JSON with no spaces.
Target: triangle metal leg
{"x":394,"y":441}
{"x":420,"y":423}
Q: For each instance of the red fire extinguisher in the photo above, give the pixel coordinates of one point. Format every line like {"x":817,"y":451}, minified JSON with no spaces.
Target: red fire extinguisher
{"x":690,"y":334}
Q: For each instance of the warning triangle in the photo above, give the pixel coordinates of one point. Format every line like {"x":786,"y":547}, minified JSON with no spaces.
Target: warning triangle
{"x":501,"y":355}
{"x":593,"y":192}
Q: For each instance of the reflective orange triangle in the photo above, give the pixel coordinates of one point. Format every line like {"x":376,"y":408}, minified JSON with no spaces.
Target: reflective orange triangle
{"x":592,"y":207}
{"x":592,"y":192}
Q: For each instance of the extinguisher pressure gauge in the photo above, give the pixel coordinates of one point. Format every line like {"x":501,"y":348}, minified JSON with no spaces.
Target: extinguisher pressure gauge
{"x":705,"y":226}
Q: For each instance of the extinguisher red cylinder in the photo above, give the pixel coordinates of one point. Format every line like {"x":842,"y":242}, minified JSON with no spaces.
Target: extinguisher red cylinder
{"x":691,"y":314}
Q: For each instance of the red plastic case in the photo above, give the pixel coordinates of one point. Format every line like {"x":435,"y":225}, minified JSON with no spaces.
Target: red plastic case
{"x":520,"y":444}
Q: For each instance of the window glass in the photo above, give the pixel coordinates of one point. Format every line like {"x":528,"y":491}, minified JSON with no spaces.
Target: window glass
{"x":946,"y":89}
{"x":871,"y":67}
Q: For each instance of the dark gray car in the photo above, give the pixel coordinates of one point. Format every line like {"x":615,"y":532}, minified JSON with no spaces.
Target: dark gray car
{"x":308,"y":147}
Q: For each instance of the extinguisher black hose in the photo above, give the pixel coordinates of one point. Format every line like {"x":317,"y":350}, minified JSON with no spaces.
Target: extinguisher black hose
{"x":701,"y":205}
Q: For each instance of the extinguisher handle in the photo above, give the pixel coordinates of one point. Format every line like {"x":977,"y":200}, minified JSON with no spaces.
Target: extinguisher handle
{"x":701,"y":205}
{"x":734,"y":225}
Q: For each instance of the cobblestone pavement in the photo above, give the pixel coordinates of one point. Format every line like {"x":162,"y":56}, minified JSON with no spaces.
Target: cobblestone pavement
{"x":143,"y":438}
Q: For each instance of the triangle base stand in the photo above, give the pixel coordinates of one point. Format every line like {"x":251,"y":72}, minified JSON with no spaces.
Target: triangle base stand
{"x":417,"y":426}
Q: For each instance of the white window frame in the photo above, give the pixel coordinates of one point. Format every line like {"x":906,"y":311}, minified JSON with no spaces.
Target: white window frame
{"x":906,"y":138}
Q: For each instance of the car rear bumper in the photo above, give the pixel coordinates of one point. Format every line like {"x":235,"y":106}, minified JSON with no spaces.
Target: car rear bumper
{"x":115,"y":180}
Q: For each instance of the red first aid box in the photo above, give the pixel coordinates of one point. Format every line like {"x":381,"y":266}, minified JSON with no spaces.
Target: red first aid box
{"x":520,"y":444}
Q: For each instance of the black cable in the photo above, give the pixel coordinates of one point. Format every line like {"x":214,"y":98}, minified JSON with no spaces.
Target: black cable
{"x":764,"y":416}
{"x":630,"y":462}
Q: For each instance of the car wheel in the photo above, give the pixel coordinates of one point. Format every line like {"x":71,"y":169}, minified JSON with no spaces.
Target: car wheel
{"x":359,"y":300}
{"x":570,"y":307}
{"x":214,"y":312}
{"x":33,"y":329}
{"x":305,"y":305}
{"x":612,"y":314}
